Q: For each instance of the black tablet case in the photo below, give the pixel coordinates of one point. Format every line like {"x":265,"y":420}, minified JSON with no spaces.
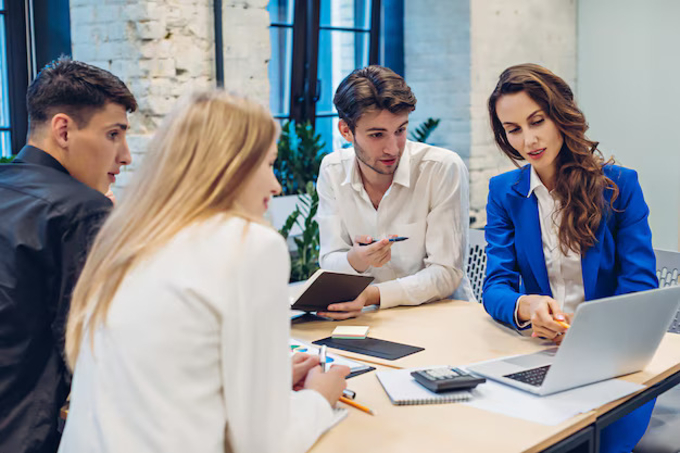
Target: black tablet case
{"x":330,"y":288}
{"x":371,"y":346}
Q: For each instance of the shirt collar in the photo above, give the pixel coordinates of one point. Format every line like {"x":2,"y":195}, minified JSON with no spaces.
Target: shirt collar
{"x":352,"y":172}
{"x":402,"y":176}
{"x":535,"y":182}
{"x":32,"y":155}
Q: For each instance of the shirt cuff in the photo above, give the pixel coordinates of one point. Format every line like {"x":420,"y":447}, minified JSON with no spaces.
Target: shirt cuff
{"x":391,"y":293}
{"x":525,"y":324}
{"x":313,"y":406}
{"x":344,"y":266}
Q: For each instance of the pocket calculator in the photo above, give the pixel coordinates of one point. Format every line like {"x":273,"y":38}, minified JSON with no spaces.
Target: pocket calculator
{"x":447,"y":378}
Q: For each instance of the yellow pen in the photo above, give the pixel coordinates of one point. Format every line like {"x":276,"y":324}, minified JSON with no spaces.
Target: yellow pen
{"x":562,"y":323}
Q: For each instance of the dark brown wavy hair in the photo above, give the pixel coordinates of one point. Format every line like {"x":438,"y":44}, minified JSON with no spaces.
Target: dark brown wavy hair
{"x":580,"y":181}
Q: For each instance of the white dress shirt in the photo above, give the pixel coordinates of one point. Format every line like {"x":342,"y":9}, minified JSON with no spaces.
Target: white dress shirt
{"x":428,"y":202}
{"x":564,"y":271}
{"x":195,"y":345}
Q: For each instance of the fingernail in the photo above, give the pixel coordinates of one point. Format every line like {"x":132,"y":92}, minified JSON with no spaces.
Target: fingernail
{"x":559,"y":317}
{"x":533,"y":335}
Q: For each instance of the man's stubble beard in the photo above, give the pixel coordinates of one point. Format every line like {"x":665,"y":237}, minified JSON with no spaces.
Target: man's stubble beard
{"x":361,"y":155}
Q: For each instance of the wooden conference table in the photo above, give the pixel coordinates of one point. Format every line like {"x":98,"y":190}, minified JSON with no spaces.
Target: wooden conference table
{"x":458,"y":333}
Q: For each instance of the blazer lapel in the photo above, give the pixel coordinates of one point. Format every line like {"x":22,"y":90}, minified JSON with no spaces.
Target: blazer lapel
{"x":590,"y":263}
{"x":528,"y":230}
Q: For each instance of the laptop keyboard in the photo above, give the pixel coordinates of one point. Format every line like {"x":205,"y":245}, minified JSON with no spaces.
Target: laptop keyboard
{"x":533,"y":376}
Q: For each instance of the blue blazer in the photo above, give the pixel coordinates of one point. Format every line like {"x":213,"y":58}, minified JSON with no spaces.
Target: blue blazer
{"x":621,"y":261}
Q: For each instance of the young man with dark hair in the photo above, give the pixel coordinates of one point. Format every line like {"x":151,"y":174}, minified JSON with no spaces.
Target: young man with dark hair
{"x":387,"y":185}
{"x":51,"y":204}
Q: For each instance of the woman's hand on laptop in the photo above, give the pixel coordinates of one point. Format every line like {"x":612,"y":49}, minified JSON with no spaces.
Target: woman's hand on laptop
{"x":543,"y":312}
{"x":345,"y":310}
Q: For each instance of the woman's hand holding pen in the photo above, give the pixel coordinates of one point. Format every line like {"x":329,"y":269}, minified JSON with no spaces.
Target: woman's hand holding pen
{"x":546,"y":316}
{"x":329,"y":384}
{"x":302,"y":363}
{"x":376,"y":255}
{"x":307,"y":374}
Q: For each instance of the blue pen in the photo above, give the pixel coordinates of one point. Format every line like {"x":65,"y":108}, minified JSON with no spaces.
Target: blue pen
{"x":397,"y":239}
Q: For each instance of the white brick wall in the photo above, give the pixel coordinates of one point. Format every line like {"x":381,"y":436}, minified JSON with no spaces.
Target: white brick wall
{"x":437,"y":68}
{"x":163,"y":49}
{"x":504,"y":33}
{"x":455,"y":50}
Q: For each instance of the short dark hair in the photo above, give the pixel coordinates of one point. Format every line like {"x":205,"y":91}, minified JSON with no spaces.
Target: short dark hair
{"x":372,"y":88}
{"x":75,"y":88}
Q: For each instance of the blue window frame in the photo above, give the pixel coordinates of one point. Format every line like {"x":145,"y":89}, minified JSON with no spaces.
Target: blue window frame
{"x":5,"y":123}
{"x":317,"y":43}
{"x":26,"y":44}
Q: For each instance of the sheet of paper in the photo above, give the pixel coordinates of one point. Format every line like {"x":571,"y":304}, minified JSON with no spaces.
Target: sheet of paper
{"x":295,"y":289}
{"x":551,"y":409}
{"x":331,"y":359}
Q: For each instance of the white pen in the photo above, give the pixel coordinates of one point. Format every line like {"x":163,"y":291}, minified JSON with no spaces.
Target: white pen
{"x":322,"y":358}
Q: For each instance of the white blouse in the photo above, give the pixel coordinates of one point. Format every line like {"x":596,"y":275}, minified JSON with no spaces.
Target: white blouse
{"x":564,"y":271}
{"x":195,"y":346}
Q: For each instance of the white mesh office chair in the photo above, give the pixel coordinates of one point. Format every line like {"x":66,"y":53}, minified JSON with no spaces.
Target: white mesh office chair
{"x":476,"y":267}
{"x":663,"y":433}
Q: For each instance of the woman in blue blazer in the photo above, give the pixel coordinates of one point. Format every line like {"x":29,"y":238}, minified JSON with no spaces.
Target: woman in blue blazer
{"x":565,"y":229}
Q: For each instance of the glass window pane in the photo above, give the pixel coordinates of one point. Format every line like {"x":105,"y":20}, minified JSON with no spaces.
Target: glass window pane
{"x":4,"y":100}
{"x":280,"y":65}
{"x":280,"y":11}
{"x":346,"y":13}
{"x":328,"y":128}
{"x":280,"y":68}
{"x":340,"y":52}
{"x":5,"y":143}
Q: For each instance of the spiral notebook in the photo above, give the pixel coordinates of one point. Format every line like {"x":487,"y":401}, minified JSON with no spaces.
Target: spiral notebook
{"x":403,"y":389}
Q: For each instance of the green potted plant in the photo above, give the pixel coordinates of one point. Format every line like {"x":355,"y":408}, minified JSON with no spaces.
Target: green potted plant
{"x":305,"y":260}
{"x":300,"y":151}
{"x":422,"y":132}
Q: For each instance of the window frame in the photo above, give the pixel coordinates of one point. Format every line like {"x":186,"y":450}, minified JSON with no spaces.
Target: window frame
{"x":304,"y":81}
{"x":37,"y":32}
{"x":17,"y":74}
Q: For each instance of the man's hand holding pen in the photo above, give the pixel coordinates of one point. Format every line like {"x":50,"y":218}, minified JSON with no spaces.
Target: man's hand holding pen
{"x":376,"y":254}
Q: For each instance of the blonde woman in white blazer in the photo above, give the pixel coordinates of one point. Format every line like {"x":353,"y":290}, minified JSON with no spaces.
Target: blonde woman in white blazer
{"x":178,"y":330}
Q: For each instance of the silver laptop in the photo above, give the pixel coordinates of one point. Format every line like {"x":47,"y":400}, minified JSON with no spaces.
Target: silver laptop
{"x":608,"y":338}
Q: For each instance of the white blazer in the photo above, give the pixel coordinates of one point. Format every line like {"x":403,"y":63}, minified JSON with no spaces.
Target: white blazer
{"x":196,"y":344}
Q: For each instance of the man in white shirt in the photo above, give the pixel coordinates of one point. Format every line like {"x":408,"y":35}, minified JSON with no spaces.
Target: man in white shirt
{"x":386,"y":186}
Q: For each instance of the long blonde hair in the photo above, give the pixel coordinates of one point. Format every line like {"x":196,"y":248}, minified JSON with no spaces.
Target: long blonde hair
{"x":196,"y":166}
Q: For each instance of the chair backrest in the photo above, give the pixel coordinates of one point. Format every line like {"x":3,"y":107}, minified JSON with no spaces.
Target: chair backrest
{"x":668,"y":273}
{"x":476,"y":268}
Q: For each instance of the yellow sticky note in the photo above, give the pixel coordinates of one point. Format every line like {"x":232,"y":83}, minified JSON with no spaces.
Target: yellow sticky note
{"x":350,"y":332}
